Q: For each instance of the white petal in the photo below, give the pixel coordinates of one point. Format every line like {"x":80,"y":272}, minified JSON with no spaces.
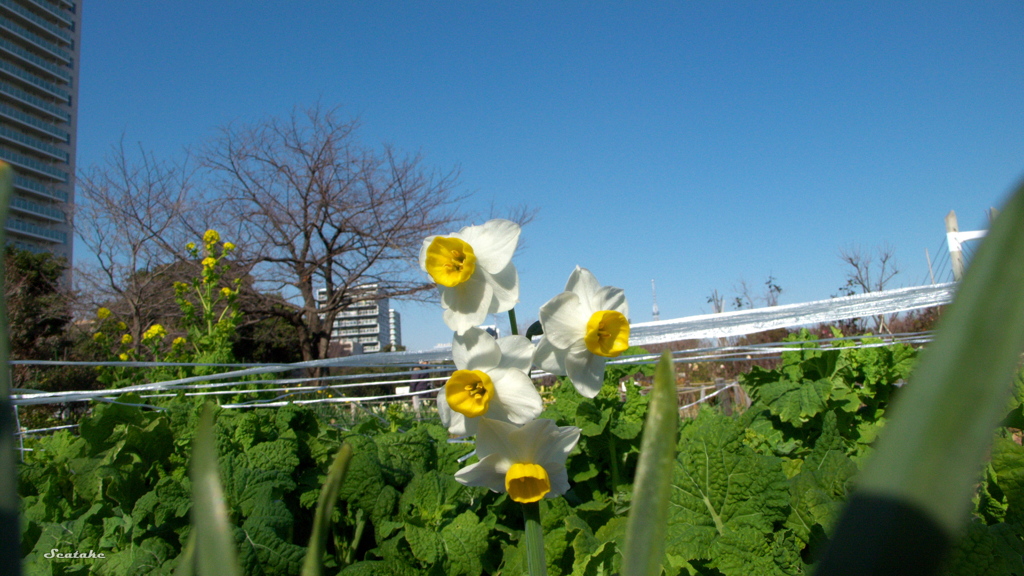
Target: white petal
{"x":487,"y":472}
{"x":584,"y":284}
{"x":495,"y":437}
{"x":517,"y":400}
{"x":505,"y":285}
{"x":549,"y":358}
{"x":452,"y":420}
{"x":556,"y":450}
{"x":611,"y":298}
{"x":475,"y":349}
{"x":493,"y":242}
{"x":559,"y":478}
{"x":563,"y":320}
{"x":516,"y":353}
{"x":585,"y":370}
{"x":466,"y":304}
{"x":528,"y":440}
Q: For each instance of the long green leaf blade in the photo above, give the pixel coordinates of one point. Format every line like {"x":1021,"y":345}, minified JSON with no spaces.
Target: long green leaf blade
{"x":914,"y":496}
{"x":313,"y":563}
{"x":644,"y":548}
{"x":10,"y":539}
{"x":215,"y":551}
{"x":941,"y":429}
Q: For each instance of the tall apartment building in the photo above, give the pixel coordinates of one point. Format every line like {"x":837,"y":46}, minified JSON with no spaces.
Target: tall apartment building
{"x":39,"y":52}
{"x":366,"y":322}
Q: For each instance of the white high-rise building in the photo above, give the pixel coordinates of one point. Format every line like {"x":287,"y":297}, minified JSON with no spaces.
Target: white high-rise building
{"x":39,"y":64}
{"x":366,"y":322}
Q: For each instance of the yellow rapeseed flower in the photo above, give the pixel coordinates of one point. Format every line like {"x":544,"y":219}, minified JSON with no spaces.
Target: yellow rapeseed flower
{"x":154,"y":332}
{"x":190,"y":246}
{"x":226,"y":292}
{"x":228,"y":246}
{"x":179,"y":341}
{"x":97,"y":336}
{"x":126,"y":339}
{"x":123,"y":357}
{"x":210,"y":238}
{"x":103,"y":313}
{"x":209,"y":263}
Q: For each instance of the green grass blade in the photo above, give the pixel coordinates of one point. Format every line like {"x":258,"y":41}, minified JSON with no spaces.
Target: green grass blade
{"x":313,"y":563}
{"x":644,"y":548}
{"x":215,"y":551}
{"x":10,"y":537}
{"x":914,"y":496}
{"x":941,"y":428}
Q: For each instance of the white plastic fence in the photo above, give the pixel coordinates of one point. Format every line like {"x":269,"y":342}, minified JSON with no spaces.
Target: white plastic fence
{"x":723,"y":325}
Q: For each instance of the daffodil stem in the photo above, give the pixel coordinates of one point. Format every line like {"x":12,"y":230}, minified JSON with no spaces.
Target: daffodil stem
{"x":512,"y":322}
{"x":534,"y":540}
{"x":614,"y":457}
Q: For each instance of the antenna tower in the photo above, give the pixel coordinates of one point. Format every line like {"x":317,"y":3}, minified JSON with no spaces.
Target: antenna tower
{"x":654,"y":297}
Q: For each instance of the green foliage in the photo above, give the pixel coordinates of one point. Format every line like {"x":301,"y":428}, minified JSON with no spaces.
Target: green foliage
{"x":754,"y":493}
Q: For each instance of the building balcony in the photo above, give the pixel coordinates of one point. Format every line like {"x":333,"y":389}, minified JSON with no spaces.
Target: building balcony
{"x":27,"y":57}
{"x":33,"y":39}
{"x":350,"y":313}
{"x":40,"y":105}
{"x":34,"y":144}
{"x":32,"y":80}
{"x":40,"y":23}
{"x":25,"y":228}
{"x":53,"y":10}
{"x":26,"y":163}
{"x":28,"y":121}
{"x":26,"y":185}
{"x":25,"y":206}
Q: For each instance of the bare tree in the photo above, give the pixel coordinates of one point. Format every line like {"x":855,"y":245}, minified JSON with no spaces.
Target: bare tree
{"x":747,"y":299}
{"x":134,"y":215}
{"x":867,"y":272}
{"x":315,"y":209}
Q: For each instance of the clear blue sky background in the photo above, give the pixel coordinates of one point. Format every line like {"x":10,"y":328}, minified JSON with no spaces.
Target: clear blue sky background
{"x":697,"y":144}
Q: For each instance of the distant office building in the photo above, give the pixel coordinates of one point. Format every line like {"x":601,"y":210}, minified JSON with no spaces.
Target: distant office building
{"x":39,"y":63}
{"x":395,"y":324}
{"x":366,"y":322}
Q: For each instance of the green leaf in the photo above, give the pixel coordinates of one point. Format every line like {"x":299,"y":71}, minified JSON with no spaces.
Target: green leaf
{"x":426,"y":543}
{"x":645,"y":536}
{"x":591,"y":419}
{"x":941,"y":428}
{"x":313,"y":564}
{"x":986,"y":551}
{"x":216,"y":553}
{"x":465,"y":541}
{"x":9,"y":545}
{"x":280,"y":454}
{"x":535,"y":329}
{"x":1008,"y":466}
{"x":796,"y":401}
{"x":721,"y":487}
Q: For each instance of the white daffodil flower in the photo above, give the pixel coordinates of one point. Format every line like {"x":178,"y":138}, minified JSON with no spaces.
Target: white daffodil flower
{"x":492,"y":380}
{"x":474,"y":272}
{"x":583,"y":327}
{"x":528,"y":462}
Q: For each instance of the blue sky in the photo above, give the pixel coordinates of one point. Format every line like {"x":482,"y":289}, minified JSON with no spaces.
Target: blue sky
{"x":696,"y":144}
